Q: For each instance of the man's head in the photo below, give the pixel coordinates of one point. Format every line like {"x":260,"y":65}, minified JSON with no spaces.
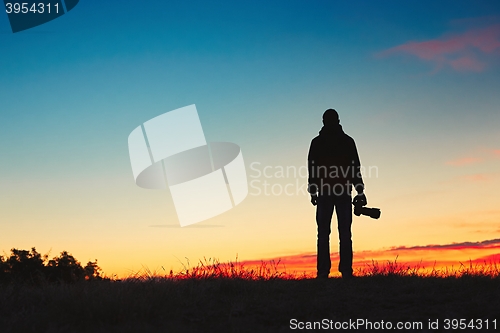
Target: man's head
{"x":331,"y":117}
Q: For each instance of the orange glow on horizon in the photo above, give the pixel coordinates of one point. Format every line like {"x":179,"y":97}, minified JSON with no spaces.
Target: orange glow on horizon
{"x":449,"y":257}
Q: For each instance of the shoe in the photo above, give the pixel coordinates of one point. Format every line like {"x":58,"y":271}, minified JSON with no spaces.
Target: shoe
{"x":322,"y":277}
{"x":347,"y":276}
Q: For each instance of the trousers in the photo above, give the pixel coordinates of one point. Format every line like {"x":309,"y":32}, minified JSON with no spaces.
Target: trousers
{"x":324,"y":212}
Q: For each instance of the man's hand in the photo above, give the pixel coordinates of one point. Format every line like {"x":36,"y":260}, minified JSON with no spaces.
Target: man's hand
{"x":360,"y":200}
{"x":314,"y":199}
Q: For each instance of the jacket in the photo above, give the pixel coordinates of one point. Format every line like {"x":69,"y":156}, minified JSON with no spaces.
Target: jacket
{"x":333,"y":162}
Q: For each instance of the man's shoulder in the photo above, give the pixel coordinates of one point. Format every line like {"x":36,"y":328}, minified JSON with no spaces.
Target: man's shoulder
{"x":315,"y":139}
{"x":348,"y":138}
{"x":324,"y":140}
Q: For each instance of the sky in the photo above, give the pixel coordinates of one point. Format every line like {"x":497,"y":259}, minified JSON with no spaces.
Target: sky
{"x":415,"y":84}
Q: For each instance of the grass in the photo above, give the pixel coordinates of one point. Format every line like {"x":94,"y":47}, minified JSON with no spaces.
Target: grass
{"x":393,"y":268}
{"x":213,"y":269}
{"x":229,"y":297}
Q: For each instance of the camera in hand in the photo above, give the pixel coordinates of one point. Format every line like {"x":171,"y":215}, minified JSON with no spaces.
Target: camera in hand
{"x":374,"y":213}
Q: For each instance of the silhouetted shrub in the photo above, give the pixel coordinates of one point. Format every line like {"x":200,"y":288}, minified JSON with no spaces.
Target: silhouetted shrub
{"x":92,"y":271}
{"x":31,"y":267}
{"x":64,"y":268}
{"x":24,"y":266}
{"x":3,"y":267}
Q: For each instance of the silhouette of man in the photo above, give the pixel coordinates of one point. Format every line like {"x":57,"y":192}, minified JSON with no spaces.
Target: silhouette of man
{"x":334,"y":168}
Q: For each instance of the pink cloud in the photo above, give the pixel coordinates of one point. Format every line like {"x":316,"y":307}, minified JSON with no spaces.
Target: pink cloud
{"x":487,"y":155}
{"x":478,"y":178}
{"x":490,"y":258}
{"x":423,"y":256}
{"x":467,"y":63}
{"x":464,"y":161}
{"x":461,"y":52}
{"x":490,"y":243}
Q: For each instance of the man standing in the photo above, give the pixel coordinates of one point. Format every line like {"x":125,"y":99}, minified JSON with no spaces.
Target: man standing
{"x":334,"y":167}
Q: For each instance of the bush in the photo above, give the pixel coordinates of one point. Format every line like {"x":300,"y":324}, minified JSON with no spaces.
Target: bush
{"x":31,"y":267}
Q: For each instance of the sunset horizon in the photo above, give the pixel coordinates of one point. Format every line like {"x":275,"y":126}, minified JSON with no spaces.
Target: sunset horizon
{"x":418,"y":96}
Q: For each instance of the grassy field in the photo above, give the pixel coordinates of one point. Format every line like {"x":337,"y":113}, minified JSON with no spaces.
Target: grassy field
{"x":214,"y":297}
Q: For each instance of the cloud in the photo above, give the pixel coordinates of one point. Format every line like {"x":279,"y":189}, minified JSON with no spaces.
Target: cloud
{"x":478,"y":178}
{"x":467,"y":63}
{"x":487,"y":154}
{"x":465,"y":52}
{"x":425,"y":256}
{"x":464,"y":161}
{"x":474,"y":245}
{"x":489,"y":258}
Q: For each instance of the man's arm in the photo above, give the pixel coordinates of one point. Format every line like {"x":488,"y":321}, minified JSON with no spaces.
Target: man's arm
{"x":312,"y":186}
{"x":357,"y":177}
{"x":359,"y":185}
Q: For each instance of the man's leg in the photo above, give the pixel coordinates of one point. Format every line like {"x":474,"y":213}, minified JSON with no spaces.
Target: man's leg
{"x":344,"y":218}
{"x":324,"y":211}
